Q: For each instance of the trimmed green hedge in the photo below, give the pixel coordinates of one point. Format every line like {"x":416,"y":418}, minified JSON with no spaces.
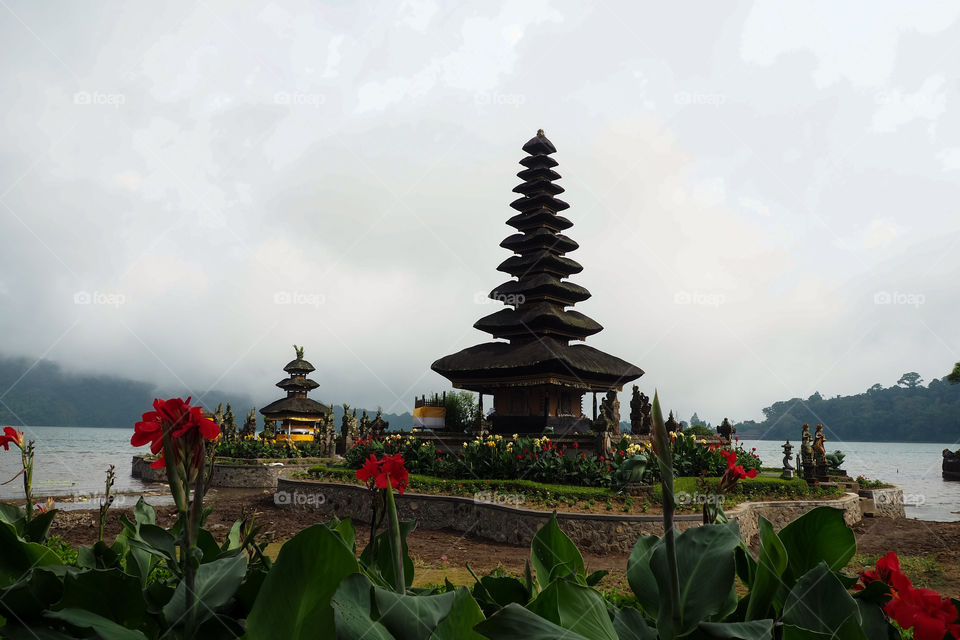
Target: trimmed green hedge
{"x":429,"y":484}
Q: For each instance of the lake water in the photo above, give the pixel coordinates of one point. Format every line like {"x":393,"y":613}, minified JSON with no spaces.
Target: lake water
{"x":72,"y":461}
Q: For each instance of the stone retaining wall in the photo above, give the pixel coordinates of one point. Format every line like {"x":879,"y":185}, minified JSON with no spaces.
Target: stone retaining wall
{"x":242,"y":476}
{"x":888,"y":501}
{"x":594,"y":532}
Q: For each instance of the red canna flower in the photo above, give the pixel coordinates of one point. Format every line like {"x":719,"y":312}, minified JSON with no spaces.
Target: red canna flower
{"x":369,"y":469}
{"x":576,"y":445}
{"x":883,"y":570}
{"x":12,"y":436}
{"x":931,"y":616}
{"x":176,"y":418}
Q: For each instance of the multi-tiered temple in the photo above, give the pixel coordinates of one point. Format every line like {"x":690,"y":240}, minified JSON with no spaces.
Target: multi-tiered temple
{"x":297,"y":416}
{"x":537,"y":378}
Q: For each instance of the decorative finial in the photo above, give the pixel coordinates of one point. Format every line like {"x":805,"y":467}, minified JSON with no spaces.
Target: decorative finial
{"x":540,"y":132}
{"x":299,"y":351}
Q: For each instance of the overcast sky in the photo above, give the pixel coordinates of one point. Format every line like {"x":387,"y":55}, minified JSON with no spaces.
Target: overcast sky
{"x":766,"y":194}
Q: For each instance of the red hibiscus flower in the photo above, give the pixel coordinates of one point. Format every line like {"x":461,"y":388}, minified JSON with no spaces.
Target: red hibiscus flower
{"x":176,"y":418}
{"x":12,"y":436}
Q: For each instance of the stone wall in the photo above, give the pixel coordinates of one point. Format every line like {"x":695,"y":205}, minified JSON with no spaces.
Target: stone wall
{"x":887,"y":502}
{"x":594,"y":532}
{"x":242,"y":476}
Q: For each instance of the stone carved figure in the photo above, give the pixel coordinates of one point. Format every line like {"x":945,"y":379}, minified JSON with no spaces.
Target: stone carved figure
{"x":640,"y":418}
{"x":364,"y":425}
{"x":787,"y":455}
{"x":611,"y":403}
{"x":378,"y":425}
{"x":726,"y":430}
{"x":819,"y":453}
{"x":806,"y":444}
{"x":299,"y":351}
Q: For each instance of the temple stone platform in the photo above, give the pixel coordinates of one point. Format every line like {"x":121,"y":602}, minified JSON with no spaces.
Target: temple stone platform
{"x":597,"y":533}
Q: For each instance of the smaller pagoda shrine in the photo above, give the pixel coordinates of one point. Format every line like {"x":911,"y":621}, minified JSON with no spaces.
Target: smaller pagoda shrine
{"x":297,"y":417}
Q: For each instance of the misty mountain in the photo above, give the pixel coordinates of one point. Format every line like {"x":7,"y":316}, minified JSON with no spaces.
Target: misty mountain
{"x":41,"y":393}
{"x":905,"y":412}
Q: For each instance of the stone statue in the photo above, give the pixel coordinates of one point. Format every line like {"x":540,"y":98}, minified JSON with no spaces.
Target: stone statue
{"x":364,"y":424}
{"x":609,"y":419}
{"x":672,"y":425}
{"x":788,"y":470}
{"x":249,"y":428}
{"x":726,"y":430}
{"x":299,"y":351}
{"x":379,"y":425}
{"x":640,"y":419}
{"x":819,"y":453}
{"x":806,"y":446}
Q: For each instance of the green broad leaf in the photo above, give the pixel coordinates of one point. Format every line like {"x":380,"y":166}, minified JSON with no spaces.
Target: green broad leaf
{"x":99,"y":556}
{"x":349,"y":534}
{"x":233,"y":539}
{"x":596,"y":577}
{"x":104,"y":628}
{"x":819,"y":603}
{"x":746,"y":565}
{"x":352,"y":609}
{"x":109,"y":593}
{"x":377,"y":557}
{"x":514,"y":622}
{"x":208,"y":546}
{"x":640,"y":575}
{"x":753,"y":630}
{"x":411,"y":617}
{"x":18,"y":557}
{"x":36,"y":530}
{"x":630,"y":624}
{"x":29,"y":597}
{"x":820,"y":535}
{"x":875,"y":624}
{"x":575,"y":607}
{"x":553,"y":555}
{"x":768,"y":583}
{"x":464,"y":614}
{"x":504,"y":590}
{"x":706,"y":567}
{"x":157,"y":541}
{"x":294,"y":600}
{"x":12,"y":515}
{"x":144,"y":513}
{"x":216,"y":582}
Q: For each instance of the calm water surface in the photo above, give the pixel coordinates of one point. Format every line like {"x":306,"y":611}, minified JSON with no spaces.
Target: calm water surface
{"x":71,"y":461}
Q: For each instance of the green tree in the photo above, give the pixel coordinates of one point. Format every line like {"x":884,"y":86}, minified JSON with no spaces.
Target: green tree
{"x":910,"y":380}
{"x":463,"y":408}
{"x":954,"y":377}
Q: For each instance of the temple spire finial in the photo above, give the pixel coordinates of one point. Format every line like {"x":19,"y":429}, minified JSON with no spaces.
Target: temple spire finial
{"x":540,"y":132}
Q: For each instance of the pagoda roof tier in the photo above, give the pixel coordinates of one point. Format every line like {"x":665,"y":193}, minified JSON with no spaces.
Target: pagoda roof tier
{"x":297,"y":384}
{"x":541,"y":217}
{"x":299,"y":366}
{"x":539,"y":200}
{"x":539,"y":318}
{"x":538,"y":262}
{"x":540,"y":286}
{"x":539,"y":145}
{"x":539,"y":173}
{"x":492,"y":365}
{"x":539,"y":239}
{"x":539,"y":162}
{"x":530,"y":188}
{"x":303,"y":407}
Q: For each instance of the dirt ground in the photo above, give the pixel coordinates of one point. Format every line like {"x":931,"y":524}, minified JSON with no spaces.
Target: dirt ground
{"x":440,"y":554}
